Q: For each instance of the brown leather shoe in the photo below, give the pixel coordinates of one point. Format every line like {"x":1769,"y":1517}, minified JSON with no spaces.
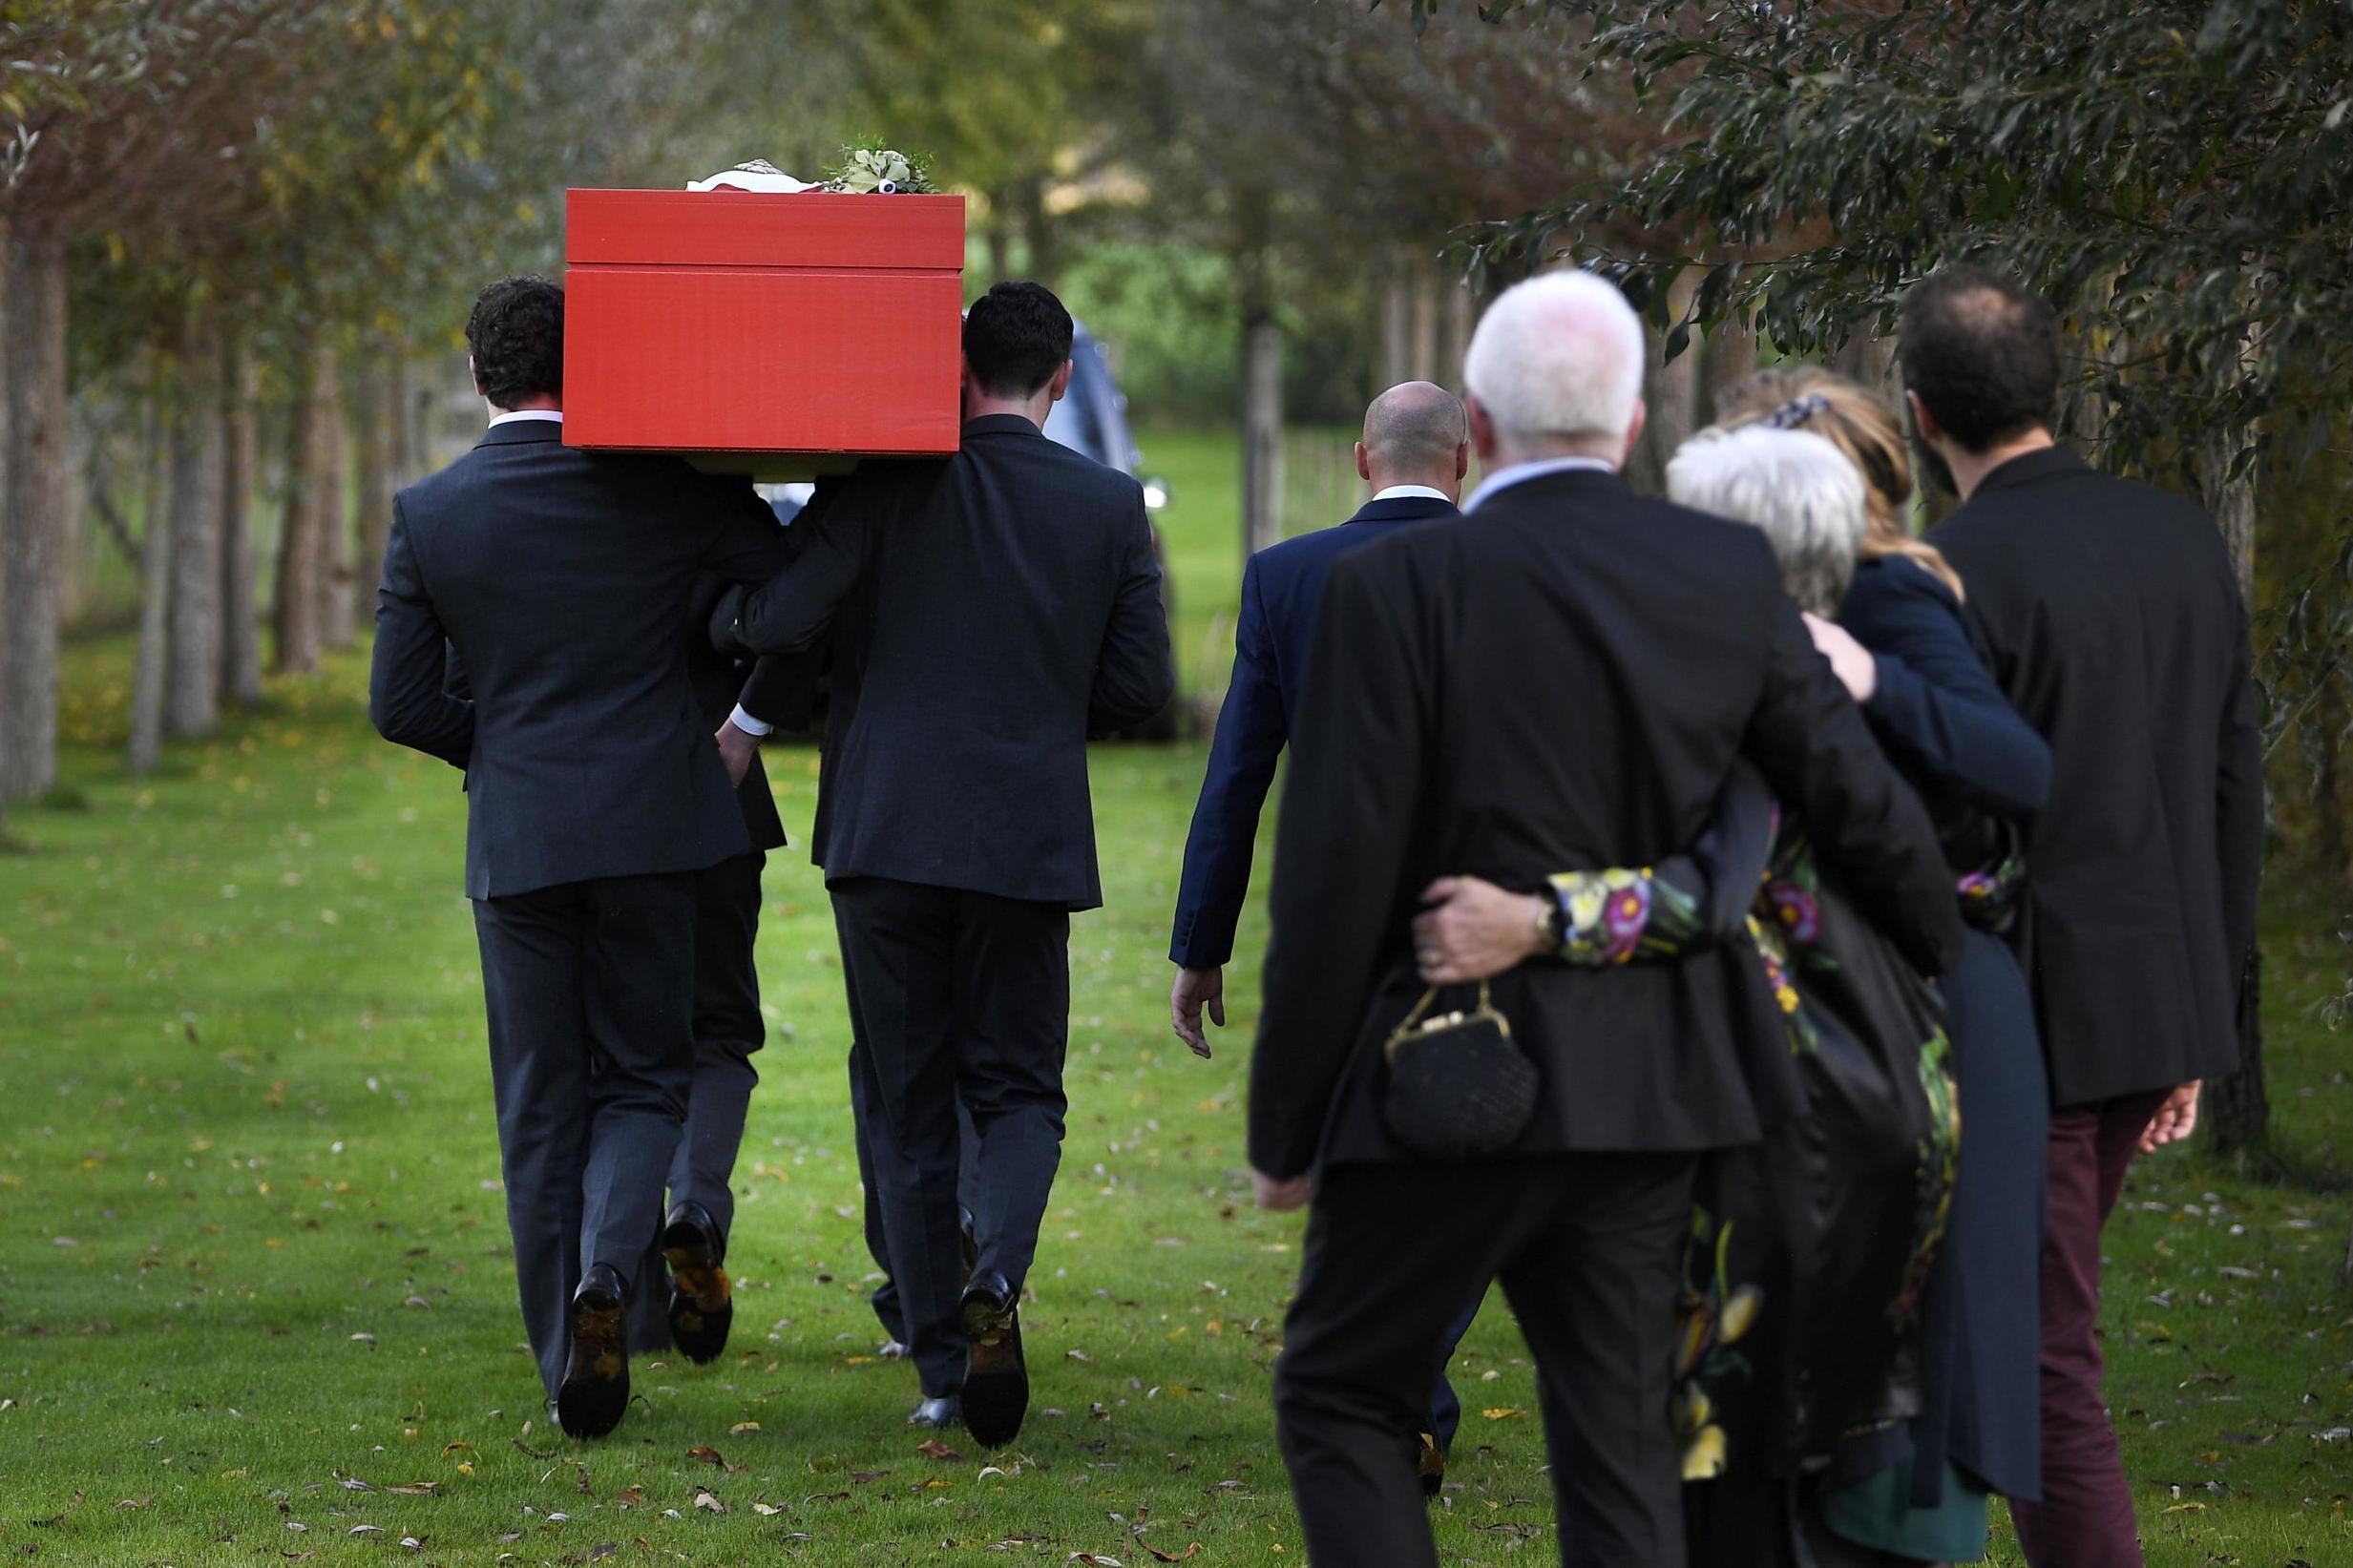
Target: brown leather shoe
{"x":702,"y":1300}
{"x":1430,"y":1466}
{"x":996,"y":1376}
{"x":595,"y":1392}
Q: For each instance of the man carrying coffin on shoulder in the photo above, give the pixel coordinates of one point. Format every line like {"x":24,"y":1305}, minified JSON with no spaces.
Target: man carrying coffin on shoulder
{"x":988,"y":612}
{"x":559,"y":579}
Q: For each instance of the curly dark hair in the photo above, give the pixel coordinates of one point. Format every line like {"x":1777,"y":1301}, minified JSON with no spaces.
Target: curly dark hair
{"x":1982,"y":351}
{"x":1016,"y":336}
{"x":516,"y":337}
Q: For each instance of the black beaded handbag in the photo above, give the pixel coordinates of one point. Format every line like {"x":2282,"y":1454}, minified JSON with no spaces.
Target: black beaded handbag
{"x":1459,"y":1088}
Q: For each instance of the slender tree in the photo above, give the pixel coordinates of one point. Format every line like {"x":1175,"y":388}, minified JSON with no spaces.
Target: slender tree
{"x":191,"y":683}
{"x":330,"y":498}
{"x":296,"y":601}
{"x":240,"y":618}
{"x":32,"y":581}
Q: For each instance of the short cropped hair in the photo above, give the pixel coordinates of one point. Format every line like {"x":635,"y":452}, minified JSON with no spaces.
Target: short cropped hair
{"x":1803,"y":493}
{"x":1558,"y":355}
{"x":516,"y":337}
{"x":1016,"y":336}
{"x":1982,"y":352}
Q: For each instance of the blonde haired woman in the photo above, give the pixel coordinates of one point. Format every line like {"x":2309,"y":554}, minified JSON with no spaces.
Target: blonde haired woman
{"x":1905,"y":652}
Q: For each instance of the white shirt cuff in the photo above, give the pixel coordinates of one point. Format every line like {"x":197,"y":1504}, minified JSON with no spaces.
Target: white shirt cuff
{"x":746,"y":723}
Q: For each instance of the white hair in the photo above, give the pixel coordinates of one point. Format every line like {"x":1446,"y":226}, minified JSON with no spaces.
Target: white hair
{"x":1559,"y":355}
{"x":1805,"y":494}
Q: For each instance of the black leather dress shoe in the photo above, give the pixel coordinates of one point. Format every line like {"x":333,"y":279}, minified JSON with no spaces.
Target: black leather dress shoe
{"x":595,"y":1392}
{"x":701,"y":1301}
{"x":937,"y":1415}
{"x":1432,"y":1467}
{"x":995,"y":1377}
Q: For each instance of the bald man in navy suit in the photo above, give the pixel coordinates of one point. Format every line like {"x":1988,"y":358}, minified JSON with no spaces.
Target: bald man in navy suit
{"x":1415,"y":453}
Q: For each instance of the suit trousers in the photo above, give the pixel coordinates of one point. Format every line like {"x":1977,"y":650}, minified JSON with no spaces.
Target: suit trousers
{"x":955,"y":996}
{"x":727,"y":1029}
{"x":1590,"y":1249}
{"x":884,"y":1298}
{"x":2085,"y":1519}
{"x":590,"y":992}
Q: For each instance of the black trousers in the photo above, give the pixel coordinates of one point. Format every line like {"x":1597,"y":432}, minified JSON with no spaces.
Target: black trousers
{"x":1590,"y":1251}
{"x":884,"y":1298}
{"x":727,"y":1029}
{"x":589,"y":989}
{"x":955,"y":996}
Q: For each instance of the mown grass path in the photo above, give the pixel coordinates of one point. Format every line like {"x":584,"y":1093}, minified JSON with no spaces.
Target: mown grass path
{"x":256,"y":1304}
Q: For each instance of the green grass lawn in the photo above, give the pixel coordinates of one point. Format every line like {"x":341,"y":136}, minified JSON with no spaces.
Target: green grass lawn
{"x":255,"y":1303}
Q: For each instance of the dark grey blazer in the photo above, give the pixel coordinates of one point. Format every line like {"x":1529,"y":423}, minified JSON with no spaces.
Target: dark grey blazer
{"x":2114,"y":627}
{"x":988,"y":611}
{"x":563,"y":580}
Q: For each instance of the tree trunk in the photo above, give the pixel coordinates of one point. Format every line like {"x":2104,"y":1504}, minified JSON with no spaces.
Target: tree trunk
{"x":296,"y":607}
{"x":1460,"y":318}
{"x":1675,"y":405}
{"x":1262,"y":429}
{"x":2329,"y":721}
{"x":403,"y":456}
{"x":192,"y":682}
{"x":1396,"y":320}
{"x":148,"y":673}
{"x":1000,"y":237}
{"x":2237,"y":1109}
{"x":8,"y":469}
{"x":1727,"y":356}
{"x":331,"y":498}
{"x":371,"y":454}
{"x":241,"y":615}
{"x":32,"y":533}
{"x":1038,"y":227}
{"x":1425,"y":312}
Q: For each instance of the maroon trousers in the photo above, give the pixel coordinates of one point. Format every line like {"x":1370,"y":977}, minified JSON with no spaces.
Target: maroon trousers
{"x":2085,"y":1519}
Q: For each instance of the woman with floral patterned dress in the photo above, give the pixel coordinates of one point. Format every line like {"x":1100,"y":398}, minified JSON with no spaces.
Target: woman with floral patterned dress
{"x":1907,"y":655}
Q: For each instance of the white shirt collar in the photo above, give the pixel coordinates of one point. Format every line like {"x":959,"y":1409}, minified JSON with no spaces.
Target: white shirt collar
{"x":1400,"y":492}
{"x":556,"y":415}
{"x":1520,"y":473}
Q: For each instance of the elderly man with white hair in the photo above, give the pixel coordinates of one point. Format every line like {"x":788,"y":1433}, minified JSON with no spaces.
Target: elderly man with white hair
{"x":1565,"y":681}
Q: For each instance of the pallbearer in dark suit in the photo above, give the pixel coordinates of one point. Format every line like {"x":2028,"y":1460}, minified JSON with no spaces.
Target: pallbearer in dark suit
{"x":741,"y":702}
{"x":561,"y":581}
{"x":1566,"y":679}
{"x":2115,"y":629}
{"x":987,"y":612}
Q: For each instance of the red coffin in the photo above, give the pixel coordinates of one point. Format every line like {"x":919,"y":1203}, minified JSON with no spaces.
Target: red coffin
{"x":777,"y":335}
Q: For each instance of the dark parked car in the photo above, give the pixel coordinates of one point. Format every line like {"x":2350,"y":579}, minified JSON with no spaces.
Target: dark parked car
{"x":1092,"y":418}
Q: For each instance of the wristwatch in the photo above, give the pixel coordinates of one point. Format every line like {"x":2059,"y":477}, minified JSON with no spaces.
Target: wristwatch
{"x":1551,"y":926}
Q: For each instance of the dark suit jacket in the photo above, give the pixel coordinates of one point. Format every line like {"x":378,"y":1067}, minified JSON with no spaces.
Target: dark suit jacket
{"x":1281,"y":586}
{"x":2114,"y":625}
{"x":775,"y":691}
{"x":561,"y":579}
{"x":988,"y":611}
{"x":1565,"y":679}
